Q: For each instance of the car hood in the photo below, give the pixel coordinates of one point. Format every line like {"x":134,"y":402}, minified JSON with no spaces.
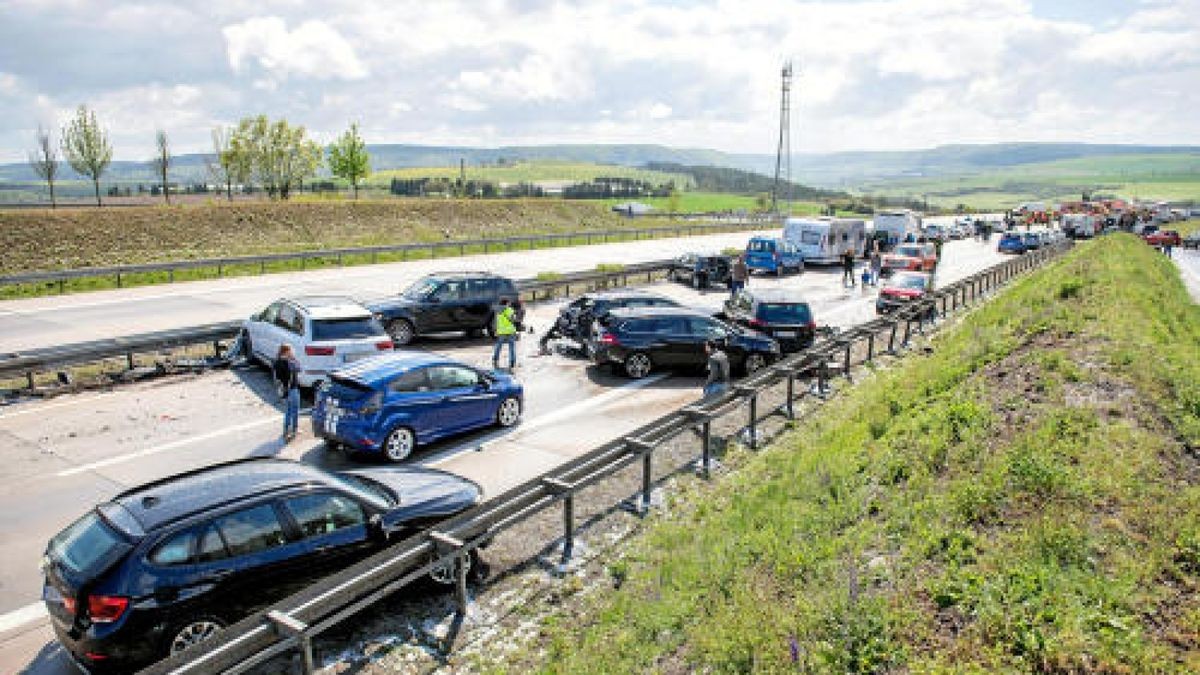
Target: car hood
{"x":390,"y":304}
{"x":423,"y":492}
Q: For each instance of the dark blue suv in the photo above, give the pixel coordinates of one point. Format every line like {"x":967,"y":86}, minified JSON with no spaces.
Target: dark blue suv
{"x":389,"y":404}
{"x":168,"y":564}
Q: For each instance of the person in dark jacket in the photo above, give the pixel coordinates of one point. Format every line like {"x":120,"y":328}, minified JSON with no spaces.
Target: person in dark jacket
{"x":848,"y":267}
{"x":287,"y":371}
{"x":718,"y":369}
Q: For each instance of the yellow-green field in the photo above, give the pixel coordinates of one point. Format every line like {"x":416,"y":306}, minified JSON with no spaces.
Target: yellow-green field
{"x":534,"y":172}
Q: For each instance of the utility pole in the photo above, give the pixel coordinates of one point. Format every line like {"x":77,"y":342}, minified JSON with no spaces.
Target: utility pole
{"x":783,"y":154}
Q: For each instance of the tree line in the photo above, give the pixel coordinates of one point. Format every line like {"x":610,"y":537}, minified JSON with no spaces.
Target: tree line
{"x":271,"y":154}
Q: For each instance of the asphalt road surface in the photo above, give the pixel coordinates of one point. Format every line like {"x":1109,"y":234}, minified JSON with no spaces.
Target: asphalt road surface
{"x":66,"y":454}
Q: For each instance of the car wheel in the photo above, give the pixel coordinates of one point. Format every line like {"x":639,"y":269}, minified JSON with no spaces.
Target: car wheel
{"x":399,"y":444}
{"x":247,"y":347}
{"x":401,"y":330}
{"x":194,"y":632}
{"x":778,"y":271}
{"x":280,"y":390}
{"x":638,"y":365}
{"x":490,"y":328}
{"x":672,"y":275}
{"x":754,"y":363}
{"x":509,"y":412}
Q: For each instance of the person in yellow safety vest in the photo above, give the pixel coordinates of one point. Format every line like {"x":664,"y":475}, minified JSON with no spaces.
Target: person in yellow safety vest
{"x":506,"y":333}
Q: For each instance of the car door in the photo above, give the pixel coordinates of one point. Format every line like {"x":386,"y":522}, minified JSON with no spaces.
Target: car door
{"x":289,"y":329}
{"x":466,"y":400}
{"x":263,"y":338}
{"x":445,"y":304}
{"x":333,"y":528}
{"x":678,"y":343}
{"x":699,"y":330}
{"x":480,"y":295}
{"x":254,"y":557}
{"x":409,"y":401}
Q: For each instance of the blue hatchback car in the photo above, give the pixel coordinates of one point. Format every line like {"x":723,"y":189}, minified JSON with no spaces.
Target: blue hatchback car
{"x":390,"y":404}
{"x":1011,"y":242}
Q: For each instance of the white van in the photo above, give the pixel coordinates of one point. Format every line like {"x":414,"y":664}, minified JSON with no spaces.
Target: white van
{"x":893,"y":227}
{"x":823,"y":240}
{"x":1080,"y":225}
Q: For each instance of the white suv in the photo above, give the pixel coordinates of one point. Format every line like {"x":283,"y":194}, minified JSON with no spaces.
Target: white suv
{"x":325,"y":333}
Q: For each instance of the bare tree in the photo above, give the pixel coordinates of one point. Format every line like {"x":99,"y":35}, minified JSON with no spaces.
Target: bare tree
{"x":44,"y":161}
{"x":86,"y":147}
{"x":230,"y":163}
{"x":162,"y":162}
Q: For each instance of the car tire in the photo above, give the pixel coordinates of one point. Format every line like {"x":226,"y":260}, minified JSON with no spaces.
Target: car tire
{"x":401,"y":330}
{"x":399,"y":444}
{"x":490,"y":328}
{"x":191,"y":632}
{"x":508,"y":413}
{"x":248,"y":347}
{"x":754,"y":362}
{"x":638,"y":365}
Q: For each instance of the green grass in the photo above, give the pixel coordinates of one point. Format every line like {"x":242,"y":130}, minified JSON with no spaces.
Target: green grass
{"x":1021,"y":500}
{"x":534,"y":172}
{"x":705,"y":202}
{"x":1149,"y":177}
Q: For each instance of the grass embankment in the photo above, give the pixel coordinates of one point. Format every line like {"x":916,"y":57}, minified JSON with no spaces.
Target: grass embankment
{"x":1025,"y":498}
{"x":47,"y":239}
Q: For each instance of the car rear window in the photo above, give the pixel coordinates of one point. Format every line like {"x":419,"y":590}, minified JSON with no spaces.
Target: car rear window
{"x":86,"y":545}
{"x":346,"y":329}
{"x":910,"y":251}
{"x":761,"y":245}
{"x":785,"y":312}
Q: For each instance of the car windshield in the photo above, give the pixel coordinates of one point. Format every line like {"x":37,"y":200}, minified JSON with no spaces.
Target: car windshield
{"x":84,"y":545}
{"x":909,"y":281}
{"x":785,"y":312}
{"x":367,"y":488}
{"x":909,"y":251}
{"x":761,"y":245}
{"x":346,"y":329}
{"x":422,"y":288}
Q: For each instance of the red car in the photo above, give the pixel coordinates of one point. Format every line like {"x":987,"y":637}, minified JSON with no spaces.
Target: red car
{"x":902,"y":289}
{"x":1163,"y":238}
{"x":912,"y":258}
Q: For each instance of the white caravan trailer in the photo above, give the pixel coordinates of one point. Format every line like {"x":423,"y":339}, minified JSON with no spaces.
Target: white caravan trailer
{"x":823,"y":240}
{"x":893,"y":227}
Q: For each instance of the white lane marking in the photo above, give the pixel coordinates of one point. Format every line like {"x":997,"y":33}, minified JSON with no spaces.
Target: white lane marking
{"x":549,"y":418}
{"x":22,"y":616}
{"x":35,"y":408}
{"x":83,"y":468}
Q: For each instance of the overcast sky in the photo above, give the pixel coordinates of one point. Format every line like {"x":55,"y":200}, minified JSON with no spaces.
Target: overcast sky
{"x":872,"y":75}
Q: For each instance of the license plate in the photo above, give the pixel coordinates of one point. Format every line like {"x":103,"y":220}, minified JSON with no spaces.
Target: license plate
{"x":349,"y":358}
{"x":332,"y":415}
{"x":786,"y":333}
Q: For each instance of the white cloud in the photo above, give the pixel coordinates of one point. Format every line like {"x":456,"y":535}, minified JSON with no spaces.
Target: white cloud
{"x":313,"y":49}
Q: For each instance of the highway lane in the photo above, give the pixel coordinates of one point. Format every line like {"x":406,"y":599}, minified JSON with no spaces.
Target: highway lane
{"x":54,"y":320}
{"x":69,"y":453}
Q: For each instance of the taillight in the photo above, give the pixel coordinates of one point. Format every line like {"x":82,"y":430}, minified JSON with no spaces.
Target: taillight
{"x":811,"y":325}
{"x":608,"y":339}
{"x":312,"y":350}
{"x":106,"y":608}
{"x":384,"y":345}
{"x":69,"y":604}
{"x":757,"y":323}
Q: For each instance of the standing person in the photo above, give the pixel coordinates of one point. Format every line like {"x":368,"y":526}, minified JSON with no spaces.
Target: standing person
{"x":286,"y":370}
{"x":848,"y":267}
{"x":937,"y":247}
{"x":876,"y":264}
{"x":718,"y":369}
{"x":1167,"y":248}
{"x":506,"y":333}
{"x":738,"y":275}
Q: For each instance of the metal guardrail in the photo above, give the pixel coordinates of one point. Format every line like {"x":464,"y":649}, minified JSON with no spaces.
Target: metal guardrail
{"x":120,"y":272}
{"x":293,"y":622}
{"x":29,"y":363}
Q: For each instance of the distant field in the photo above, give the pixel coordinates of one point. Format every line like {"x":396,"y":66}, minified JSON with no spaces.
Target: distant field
{"x":705,"y":202}
{"x":1165,"y":177}
{"x":534,"y":172}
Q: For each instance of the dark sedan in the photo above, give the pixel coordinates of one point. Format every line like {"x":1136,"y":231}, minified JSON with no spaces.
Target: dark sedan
{"x":774,"y":312}
{"x":641,"y":340}
{"x":166,"y":565}
{"x":701,"y":270}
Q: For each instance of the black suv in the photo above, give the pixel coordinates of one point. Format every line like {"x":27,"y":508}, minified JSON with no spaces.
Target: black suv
{"x":777,"y":313}
{"x":450,"y":301}
{"x":701,"y":270}
{"x":640,"y":340}
{"x":576,"y":320}
{"x":166,"y":565}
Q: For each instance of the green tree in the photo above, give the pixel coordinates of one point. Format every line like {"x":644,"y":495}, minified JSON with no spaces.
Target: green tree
{"x":86,"y":147}
{"x":229,"y":163}
{"x":281,"y":156}
{"x":673,"y":201}
{"x":348,"y":158}
{"x":162,"y":162}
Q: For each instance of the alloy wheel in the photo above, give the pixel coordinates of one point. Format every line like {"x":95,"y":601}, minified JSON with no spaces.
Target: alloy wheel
{"x":399,"y":444}
{"x":509,"y":412}
{"x":637,"y":365}
{"x":194,"y":633}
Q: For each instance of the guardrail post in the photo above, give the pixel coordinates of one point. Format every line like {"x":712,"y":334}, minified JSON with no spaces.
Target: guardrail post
{"x":639,"y":504}
{"x":791,"y":395}
{"x":129,"y":359}
{"x":907,"y":330}
{"x":29,"y":378}
{"x":294,"y":628}
{"x":870,"y":346}
{"x":170,"y":275}
{"x":753,"y":426}
{"x":220,"y":270}
{"x":892,"y":338}
{"x":118,"y":278}
{"x":567,"y":491}
{"x":846,"y":363}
